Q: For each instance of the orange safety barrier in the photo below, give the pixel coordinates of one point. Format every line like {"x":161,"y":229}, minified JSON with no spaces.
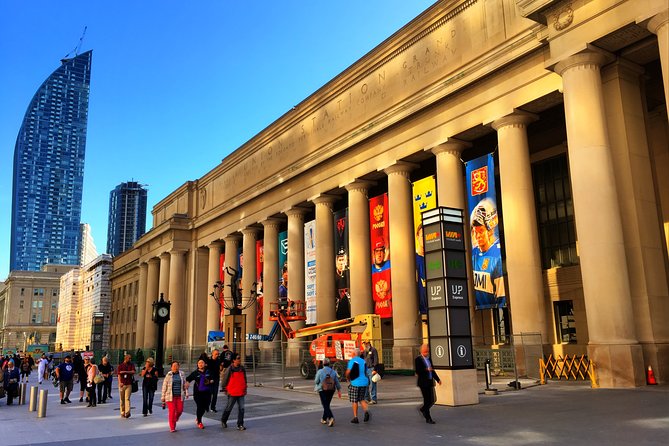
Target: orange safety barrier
{"x":570,"y":367}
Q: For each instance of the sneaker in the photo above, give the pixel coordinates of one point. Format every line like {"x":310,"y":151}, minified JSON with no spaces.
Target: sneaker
{"x":145,"y":415}
{"x":127,"y":414}
{"x":62,"y":402}
{"x":366,"y":418}
{"x":173,"y":430}
{"x":331,"y":422}
{"x":81,"y":400}
{"x":67,"y":400}
{"x":373,"y":402}
{"x":355,"y":420}
{"x":224,"y":424}
{"x":323,"y":421}
{"x":200,"y":425}
{"x":241,"y":427}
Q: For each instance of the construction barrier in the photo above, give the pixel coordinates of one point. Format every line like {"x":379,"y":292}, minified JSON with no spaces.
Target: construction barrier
{"x":570,"y":368}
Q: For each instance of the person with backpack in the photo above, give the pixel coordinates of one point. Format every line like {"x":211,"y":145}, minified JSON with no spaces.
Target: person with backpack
{"x":357,"y":375}
{"x":325,"y":383}
{"x":235,"y":385}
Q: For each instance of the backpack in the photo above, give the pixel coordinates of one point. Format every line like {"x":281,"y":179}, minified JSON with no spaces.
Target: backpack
{"x":355,"y":371}
{"x":328,"y":383}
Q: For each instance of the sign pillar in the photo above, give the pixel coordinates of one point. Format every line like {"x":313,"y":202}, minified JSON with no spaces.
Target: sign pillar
{"x":449,"y":329}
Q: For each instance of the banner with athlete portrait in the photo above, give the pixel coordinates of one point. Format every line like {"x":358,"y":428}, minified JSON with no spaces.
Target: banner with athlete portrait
{"x":424,"y":199}
{"x":342,"y":279}
{"x":380,"y":252}
{"x":260,"y":259}
{"x":484,"y":224}
{"x":310,"y":270}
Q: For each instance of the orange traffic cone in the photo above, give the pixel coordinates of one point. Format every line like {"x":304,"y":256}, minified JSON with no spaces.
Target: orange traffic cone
{"x":650,"y":377}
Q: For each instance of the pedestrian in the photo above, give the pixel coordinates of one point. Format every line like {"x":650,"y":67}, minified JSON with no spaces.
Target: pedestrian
{"x":65,"y":375}
{"x":371,"y":356}
{"x":235,"y":385}
{"x":10,"y":381}
{"x":104,"y":388}
{"x":149,"y":386}
{"x":215,"y":367}
{"x":174,"y":392}
{"x":80,"y":371}
{"x":358,"y":382}
{"x":91,"y":373}
{"x":25,"y":369}
{"x":42,"y":369}
{"x":326,"y":383}
{"x":202,"y":380}
{"x":426,"y":379}
{"x":126,"y":374}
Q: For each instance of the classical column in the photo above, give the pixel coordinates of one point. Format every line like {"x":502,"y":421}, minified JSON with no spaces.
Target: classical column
{"x":296,"y":291}
{"x":270,"y":272}
{"x":459,"y":386}
{"x":152,"y":280}
{"x":231,"y":261}
{"x":406,"y":320}
{"x":213,"y":276}
{"x":176,"y":296}
{"x":659,"y":25}
{"x":198,"y":295}
{"x":249,"y":278}
{"x":141,"y":304}
{"x":523,"y":257}
{"x":359,"y":247}
{"x":613,"y":344}
{"x":164,"y":282}
{"x":325,"y":259}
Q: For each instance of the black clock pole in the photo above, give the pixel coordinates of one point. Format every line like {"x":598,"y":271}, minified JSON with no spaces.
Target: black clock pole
{"x":160,"y":351}
{"x":161,"y":314}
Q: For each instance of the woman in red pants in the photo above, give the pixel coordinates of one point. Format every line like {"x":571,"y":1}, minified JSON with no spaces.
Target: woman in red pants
{"x":175,"y":391}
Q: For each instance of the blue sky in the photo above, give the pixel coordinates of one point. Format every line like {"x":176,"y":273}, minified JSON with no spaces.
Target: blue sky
{"x":176,"y":85}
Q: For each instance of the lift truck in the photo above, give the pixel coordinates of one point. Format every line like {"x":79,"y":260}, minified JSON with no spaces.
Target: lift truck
{"x":360,"y":328}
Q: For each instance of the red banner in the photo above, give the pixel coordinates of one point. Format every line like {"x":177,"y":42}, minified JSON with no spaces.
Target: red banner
{"x":380,"y":250}
{"x":260,"y":258}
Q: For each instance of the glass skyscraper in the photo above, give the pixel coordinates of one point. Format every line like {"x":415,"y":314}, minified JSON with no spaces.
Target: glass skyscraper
{"x":127,"y":216}
{"x":49,"y":169}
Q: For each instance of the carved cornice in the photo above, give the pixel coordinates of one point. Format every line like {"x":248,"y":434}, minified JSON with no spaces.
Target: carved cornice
{"x":532,"y":9}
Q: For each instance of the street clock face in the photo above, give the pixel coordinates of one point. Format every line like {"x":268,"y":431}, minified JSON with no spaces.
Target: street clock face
{"x":162,"y":311}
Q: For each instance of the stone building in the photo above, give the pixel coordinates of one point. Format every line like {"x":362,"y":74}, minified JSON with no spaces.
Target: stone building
{"x":571,"y":96}
{"x":29,"y":304}
{"x":84,"y":313}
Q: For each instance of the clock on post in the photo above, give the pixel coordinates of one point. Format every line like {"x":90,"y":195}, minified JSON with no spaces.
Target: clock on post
{"x":161,"y":311}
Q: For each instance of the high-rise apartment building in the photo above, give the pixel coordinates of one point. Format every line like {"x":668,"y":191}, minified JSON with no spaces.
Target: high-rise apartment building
{"x":127,"y":216}
{"x":49,"y":169}
{"x":87,"y":250}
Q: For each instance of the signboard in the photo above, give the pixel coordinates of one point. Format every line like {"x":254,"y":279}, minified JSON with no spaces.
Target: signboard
{"x":320,"y":354}
{"x":349,"y":349}
{"x":449,"y":329}
{"x":257,"y":337}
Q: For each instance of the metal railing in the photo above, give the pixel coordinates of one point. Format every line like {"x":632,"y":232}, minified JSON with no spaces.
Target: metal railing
{"x":569,"y":368}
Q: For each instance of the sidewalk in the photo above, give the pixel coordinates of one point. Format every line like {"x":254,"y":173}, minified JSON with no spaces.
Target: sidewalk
{"x":556,"y":413}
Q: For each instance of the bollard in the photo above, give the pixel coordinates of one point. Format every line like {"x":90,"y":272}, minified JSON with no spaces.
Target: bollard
{"x":22,"y":393}
{"x":488,"y":379}
{"x":33,"y":399}
{"x":41,"y":404}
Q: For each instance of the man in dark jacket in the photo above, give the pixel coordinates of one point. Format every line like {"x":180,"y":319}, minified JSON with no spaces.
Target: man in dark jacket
{"x":426,"y":379}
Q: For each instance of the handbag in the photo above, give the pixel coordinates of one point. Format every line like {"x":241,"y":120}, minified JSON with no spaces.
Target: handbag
{"x":99,"y":379}
{"x":135,"y":385}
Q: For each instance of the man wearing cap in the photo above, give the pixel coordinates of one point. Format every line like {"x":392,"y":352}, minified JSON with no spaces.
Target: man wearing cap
{"x":65,"y":374}
{"x":371,"y":356}
{"x":379,"y":257}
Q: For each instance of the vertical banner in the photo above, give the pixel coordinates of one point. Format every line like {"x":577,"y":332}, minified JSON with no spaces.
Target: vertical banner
{"x":260,"y":259}
{"x":283,"y":265}
{"x":310,"y":270}
{"x":240,"y":270}
{"x":221,"y":289}
{"x":424,"y":199}
{"x":342,"y":279}
{"x":486,"y":247}
{"x":379,"y":236}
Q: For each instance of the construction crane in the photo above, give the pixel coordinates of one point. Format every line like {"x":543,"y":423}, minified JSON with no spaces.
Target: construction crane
{"x":361,"y":328}
{"x":76,"y":48}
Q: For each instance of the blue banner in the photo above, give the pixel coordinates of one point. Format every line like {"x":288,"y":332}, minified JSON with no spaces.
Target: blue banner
{"x":484,"y":224}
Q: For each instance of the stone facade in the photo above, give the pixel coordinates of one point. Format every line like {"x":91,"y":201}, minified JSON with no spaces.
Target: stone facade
{"x":584,"y":82}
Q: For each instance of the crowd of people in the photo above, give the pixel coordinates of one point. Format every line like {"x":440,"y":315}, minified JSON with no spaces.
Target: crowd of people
{"x":218,"y":372}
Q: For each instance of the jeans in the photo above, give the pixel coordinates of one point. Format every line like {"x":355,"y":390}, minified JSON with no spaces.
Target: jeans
{"x":125,"y":390}
{"x":370,"y":395}
{"x":240,"y":409}
{"x":326,"y":399}
{"x":147,"y":399}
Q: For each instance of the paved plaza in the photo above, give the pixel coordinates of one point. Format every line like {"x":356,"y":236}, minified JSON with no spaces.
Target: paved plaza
{"x":556,"y":413}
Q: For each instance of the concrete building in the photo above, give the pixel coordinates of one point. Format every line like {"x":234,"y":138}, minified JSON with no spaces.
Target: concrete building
{"x":84,"y":313}
{"x":87,"y":250}
{"x":572,"y":98}
{"x":29,"y":304}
